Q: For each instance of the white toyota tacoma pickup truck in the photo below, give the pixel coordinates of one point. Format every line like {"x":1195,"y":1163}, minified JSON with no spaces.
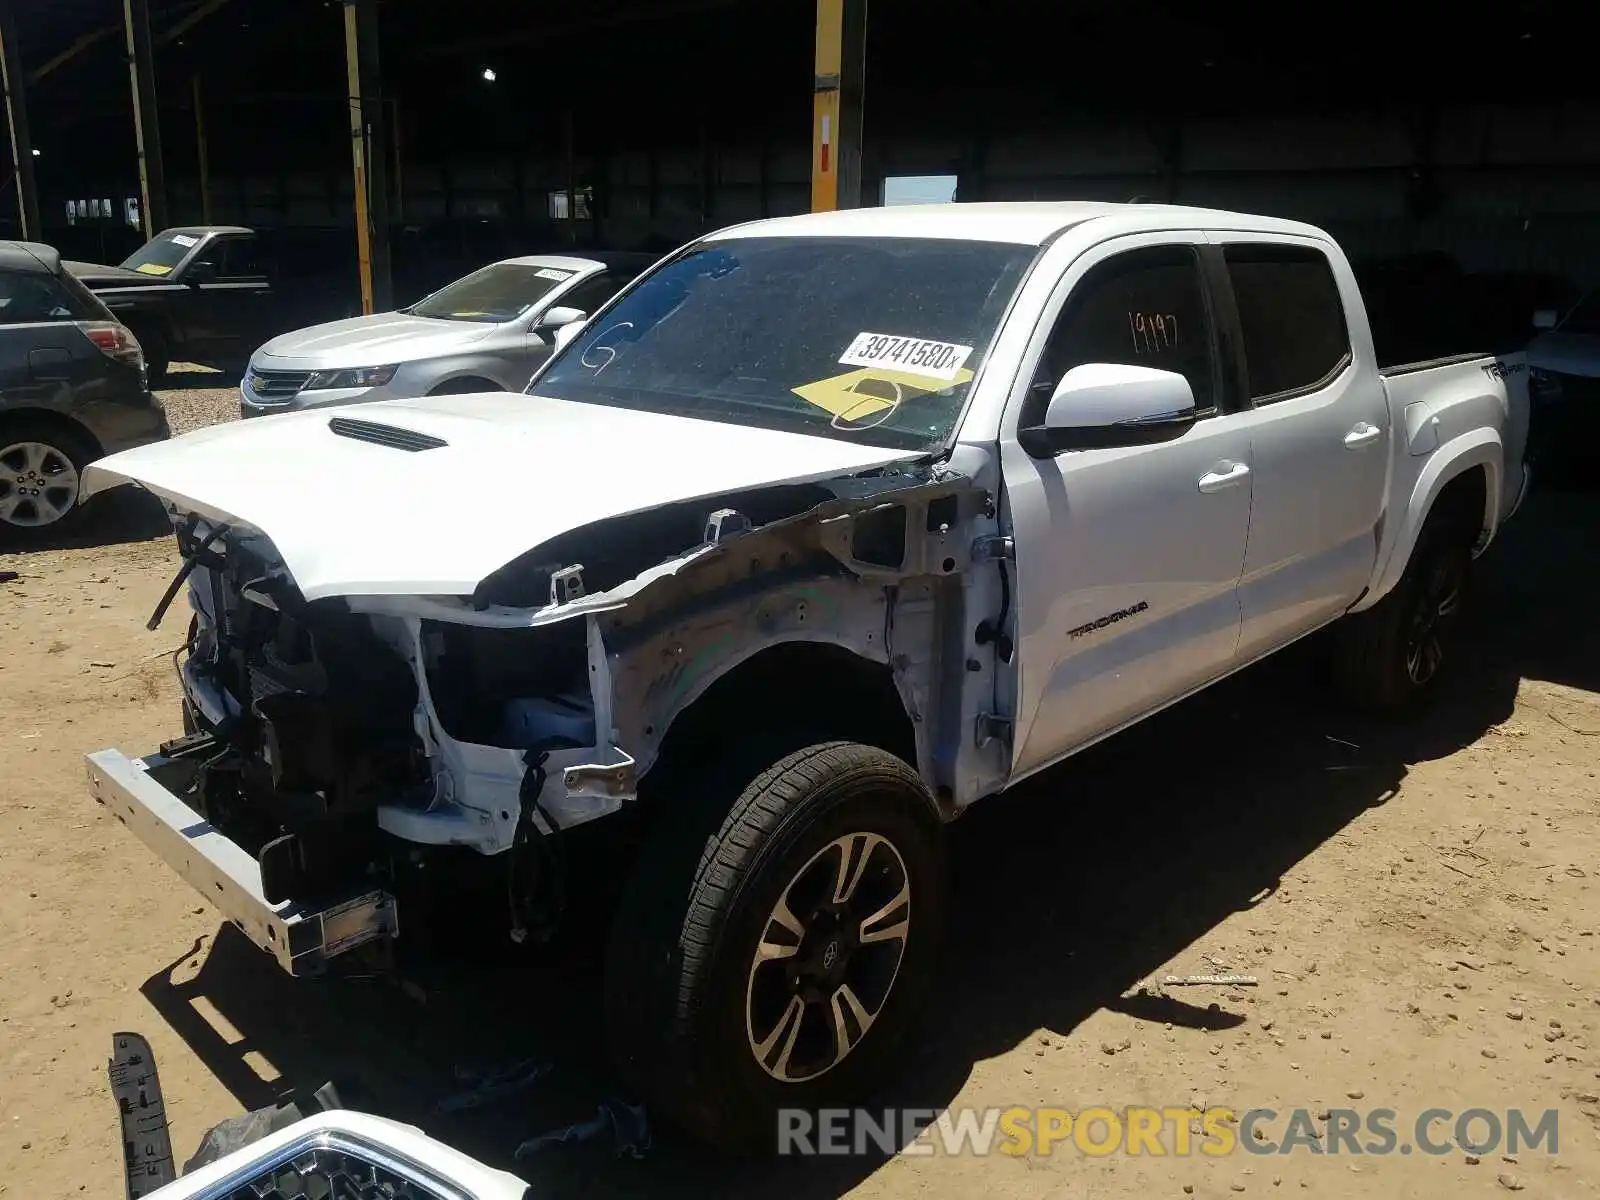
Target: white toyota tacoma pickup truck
{"x":822,"y":530}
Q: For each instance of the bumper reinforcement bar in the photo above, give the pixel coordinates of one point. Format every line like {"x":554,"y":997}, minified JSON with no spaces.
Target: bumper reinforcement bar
{"x":301,"y":939}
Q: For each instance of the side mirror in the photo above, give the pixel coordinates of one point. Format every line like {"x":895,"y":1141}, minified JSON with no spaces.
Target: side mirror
{"x":200,"y":272}
{"x":1545,"y":318}
{"x":560,"y":317}
{"x":1097,"y":405}
{"x":564,"y":335}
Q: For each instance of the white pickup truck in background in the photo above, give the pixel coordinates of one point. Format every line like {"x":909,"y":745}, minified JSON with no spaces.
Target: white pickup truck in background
{"x":824,"y":529}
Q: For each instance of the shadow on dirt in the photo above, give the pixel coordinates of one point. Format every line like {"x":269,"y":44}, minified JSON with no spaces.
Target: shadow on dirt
{"x":1069,"y":891}
{"x":116,"y":517}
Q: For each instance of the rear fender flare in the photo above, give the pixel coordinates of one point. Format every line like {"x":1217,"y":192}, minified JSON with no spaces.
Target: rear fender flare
{"x":1479,"y":448}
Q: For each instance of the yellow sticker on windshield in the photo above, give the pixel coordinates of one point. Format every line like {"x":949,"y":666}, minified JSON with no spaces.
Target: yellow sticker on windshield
{"x":870,"y":391}
{"x":153,"y":269}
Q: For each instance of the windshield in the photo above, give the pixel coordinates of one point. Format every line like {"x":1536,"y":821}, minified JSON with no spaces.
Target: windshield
{"x":159,"y":255}
{"x":1585,"y":316}
{"x":869,"y":339}
{"x":501,"y":292}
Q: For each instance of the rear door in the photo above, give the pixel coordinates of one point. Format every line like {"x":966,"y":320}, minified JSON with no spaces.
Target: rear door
{"x":1319,"y":436}
{"x":1127,"y":558}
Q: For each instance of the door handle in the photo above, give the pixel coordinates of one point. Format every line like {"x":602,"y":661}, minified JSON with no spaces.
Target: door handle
{"x":1224,"y":475}
{"x":1363,"y":434}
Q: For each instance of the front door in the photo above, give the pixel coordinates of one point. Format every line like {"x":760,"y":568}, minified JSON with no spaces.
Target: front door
{"x":1127,"y":559}
{"x":230,"y":314}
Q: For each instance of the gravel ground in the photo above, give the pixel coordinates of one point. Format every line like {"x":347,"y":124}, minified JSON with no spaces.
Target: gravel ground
{"x":197,"y":396}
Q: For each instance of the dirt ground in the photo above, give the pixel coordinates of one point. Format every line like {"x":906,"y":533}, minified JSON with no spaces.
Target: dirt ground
{"x":1418,"y":903}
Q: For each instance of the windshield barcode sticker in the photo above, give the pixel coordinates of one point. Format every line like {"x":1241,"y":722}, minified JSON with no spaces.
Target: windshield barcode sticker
{"x":552,"y":273}
{"x":915,"y":356}
{"x":183,"y":239}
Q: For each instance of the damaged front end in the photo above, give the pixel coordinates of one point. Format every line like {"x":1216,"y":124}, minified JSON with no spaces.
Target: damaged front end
{"x":335,"y":746}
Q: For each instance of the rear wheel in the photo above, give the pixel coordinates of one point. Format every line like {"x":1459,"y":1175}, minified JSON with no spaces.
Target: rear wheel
{"x":775,"y":960}
{"x":1389,"y":658}
{"x":41,"y":471}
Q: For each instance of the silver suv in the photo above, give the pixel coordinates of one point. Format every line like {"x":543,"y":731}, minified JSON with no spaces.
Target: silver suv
{"x":486,"y":332}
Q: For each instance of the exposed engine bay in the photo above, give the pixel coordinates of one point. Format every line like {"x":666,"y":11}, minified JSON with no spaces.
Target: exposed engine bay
{"x":340,"y":741}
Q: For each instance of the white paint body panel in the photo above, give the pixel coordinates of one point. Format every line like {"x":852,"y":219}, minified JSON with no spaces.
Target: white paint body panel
{"x":1321,"y":463}
{"x":349,"y":518}
{"x":1101,"y":531}
{"x":1315,"y":528}
{"x":1473,"y":414}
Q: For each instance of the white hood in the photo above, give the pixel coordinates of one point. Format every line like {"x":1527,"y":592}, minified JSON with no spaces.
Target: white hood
{"x":354,"y":518}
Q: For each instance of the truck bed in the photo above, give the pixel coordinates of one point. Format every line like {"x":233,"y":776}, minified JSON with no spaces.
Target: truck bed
{"x":1428,"y":364}
{"x":1437,"y":399}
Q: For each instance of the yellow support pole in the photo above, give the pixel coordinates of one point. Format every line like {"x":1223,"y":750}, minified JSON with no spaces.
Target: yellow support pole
{"x":146,"y":125}
{"x":205,"y":161}
{"x":16,"y":105}
{"x":825,"y":106}
{"x":358,"y":154}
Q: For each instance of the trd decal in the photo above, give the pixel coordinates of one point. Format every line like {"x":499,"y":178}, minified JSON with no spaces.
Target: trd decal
{"x":1109,"y":619}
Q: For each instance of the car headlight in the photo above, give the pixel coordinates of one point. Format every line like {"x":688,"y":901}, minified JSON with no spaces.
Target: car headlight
{"x":327,"y":381}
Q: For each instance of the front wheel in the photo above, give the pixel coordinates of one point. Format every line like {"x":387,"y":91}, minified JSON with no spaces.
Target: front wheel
{"x":1390,"y":657}
{"x":777,"y":962}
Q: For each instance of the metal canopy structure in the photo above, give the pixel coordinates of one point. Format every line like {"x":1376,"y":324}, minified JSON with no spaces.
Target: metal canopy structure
{"x":620,"y":121}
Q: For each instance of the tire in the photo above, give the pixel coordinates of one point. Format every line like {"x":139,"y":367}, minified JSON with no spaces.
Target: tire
{"x":1389,"y":658}
{"x":688,"y":1002}
{"x":41,"y":471}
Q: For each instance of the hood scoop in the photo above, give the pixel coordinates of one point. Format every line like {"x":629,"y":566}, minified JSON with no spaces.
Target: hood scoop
{"x":385,"y":435}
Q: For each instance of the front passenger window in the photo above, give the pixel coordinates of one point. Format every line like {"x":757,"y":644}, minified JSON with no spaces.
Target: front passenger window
{"x":236,"y":258}
{"x":591,"y":293}
{"x":1143,"y":308}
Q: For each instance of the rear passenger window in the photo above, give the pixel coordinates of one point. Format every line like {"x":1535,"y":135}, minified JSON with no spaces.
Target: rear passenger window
{"x":1144,"y":308}
{"x":85,"y":305}
{"x":28,"y":297}
{"x":1292,"y":318}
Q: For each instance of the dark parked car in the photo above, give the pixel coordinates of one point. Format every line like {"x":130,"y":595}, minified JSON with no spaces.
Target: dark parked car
{"x":198,"y":293}
{"x":72,"y":388}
